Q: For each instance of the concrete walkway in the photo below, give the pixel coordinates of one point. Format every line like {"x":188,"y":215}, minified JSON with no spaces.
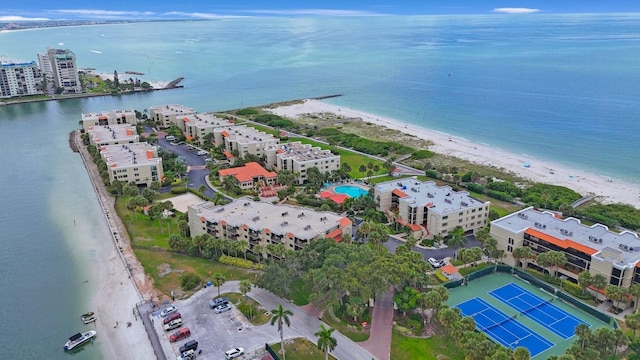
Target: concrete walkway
{"x":379,"y":343}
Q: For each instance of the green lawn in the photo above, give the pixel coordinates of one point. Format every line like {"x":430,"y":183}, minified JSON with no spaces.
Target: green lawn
{"x":409,"y":348}
{"x":353,"y":159}
{"x":300,"y":349}
{"x":166,"y":268}
{"x":300,"y":292}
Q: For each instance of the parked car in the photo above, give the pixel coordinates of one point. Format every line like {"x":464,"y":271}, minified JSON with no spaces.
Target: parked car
{"x":173,"y":324}
{"x":181,"y":334}
{"x":187,"y":355}
{"x":170,"y":310}
{"x":436,"y":263}
{"x":233,"y":353}
{"x":218,"y":301}
{"x":171,"y":317}
{"x":189,"y":345}
{"x":222,"y":308}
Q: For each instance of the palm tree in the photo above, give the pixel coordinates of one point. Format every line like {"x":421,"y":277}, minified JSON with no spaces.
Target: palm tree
{"x":245,"y":287}
{"x":522,"y":253}
{"x":326,"y":342}
{"x":281,"y":316}
{"x":218,"y":280}
{"x":243,"y":246}
{"x":456,"y":239}
{"x":521,"y":353}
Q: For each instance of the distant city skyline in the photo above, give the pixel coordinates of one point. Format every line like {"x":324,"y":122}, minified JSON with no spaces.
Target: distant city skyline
{"x":39,"y":10}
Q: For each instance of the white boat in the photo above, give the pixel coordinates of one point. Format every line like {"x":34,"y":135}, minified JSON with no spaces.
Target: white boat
{"x":79,"y":339}
{"x":88,"y":317}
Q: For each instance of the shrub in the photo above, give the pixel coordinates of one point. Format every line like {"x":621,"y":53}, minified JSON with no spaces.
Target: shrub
{"x":477,"y":188}
{"x":190,"y":281}
{"x":441,"y":277}
{"x":230,"y":260}
{"x":432,"y":174}
{"x":179,"y":190}
{"x":247,"y":111}
{"x":421,"y":155}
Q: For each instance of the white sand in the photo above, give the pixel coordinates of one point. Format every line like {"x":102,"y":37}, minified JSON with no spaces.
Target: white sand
{"x":115,"y":290}
{"x":607,"y":190}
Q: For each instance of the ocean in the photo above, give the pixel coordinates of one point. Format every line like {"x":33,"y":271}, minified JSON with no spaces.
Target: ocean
{"x":556,"y":87}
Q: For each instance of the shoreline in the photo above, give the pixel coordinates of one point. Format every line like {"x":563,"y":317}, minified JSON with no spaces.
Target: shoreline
{"x":121,"y":280}
{"x":606,"y":189}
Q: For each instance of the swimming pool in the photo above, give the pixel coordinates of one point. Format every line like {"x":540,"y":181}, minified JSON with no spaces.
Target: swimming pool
{"x":352,"y":191}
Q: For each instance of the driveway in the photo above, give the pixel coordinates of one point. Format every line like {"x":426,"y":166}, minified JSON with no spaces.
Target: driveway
{"x":440,"y":253}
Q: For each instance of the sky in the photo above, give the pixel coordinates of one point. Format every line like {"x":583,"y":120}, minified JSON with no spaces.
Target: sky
{"x":25,"y":10}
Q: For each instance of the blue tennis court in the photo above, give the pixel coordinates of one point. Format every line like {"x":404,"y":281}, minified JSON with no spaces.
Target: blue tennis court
{"x":539,"y":310}
{"x":502,"y":328}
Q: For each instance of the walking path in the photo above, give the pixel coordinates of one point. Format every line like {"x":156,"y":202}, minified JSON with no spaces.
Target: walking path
{"x":379,"y":343}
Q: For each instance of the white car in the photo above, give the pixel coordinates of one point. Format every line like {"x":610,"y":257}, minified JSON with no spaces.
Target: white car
{"x":187,"y":355}
{"x":222,"y":308}
{"x":170,"y":310}
{"x":233,"y":353}
{"x":435,"y":263}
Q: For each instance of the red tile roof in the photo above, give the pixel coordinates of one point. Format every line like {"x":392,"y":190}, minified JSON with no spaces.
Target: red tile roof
{"x":399,"y":193}
{"x":449,"y":269}
{"x":339,"y":198}
{"x":248,"y":172}
{"x":334,"y":234}
{"x":344,"y":222}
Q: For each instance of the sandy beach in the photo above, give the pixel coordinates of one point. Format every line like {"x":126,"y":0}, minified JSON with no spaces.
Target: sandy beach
{"x":118,"y":283}
{"x":608,"y":190}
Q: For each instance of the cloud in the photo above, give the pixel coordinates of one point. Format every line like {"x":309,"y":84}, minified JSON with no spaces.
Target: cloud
{"x":21,"y":18}
{"x":105,"y":13}
{"x":515,"y":10}
{"x":315,"y":12}
{"x":198,"y":15}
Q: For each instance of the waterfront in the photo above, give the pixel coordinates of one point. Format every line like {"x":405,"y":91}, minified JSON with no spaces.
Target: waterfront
{"x":488,"y":79}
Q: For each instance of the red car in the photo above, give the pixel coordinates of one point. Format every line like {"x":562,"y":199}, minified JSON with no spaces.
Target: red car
{"x":180,"y":334}
{"x":171,"y":318}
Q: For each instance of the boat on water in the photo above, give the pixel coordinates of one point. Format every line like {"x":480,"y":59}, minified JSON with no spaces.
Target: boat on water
{"x":88,"y":317}
{"x":79,"y":339}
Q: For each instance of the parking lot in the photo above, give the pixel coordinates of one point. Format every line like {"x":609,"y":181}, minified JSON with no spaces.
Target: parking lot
{"x":215,"y":333}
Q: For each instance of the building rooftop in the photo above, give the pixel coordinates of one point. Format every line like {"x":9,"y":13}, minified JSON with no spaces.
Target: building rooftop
{"x":205,"y":120}
{"x":117,"y":156}
{"x":439,"y":199}
{"x":303,"y":223}
{"x":301,"y":152}
{"x":112,"y":132}
{"x":245,"y":135}
{"x":622,"y":249}
{"x":248,"y":172}
{"x":172,"y":109}
{"x":109,"y":114}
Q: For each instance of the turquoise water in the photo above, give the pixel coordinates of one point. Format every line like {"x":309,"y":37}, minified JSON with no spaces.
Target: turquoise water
{"x":558,"y":87}
{"x":352,"y":191}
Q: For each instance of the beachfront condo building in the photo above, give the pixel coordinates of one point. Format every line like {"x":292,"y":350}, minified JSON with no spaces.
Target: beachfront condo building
{"x":250,"y":175}
{"x":242,"y":140}
{"x":166,"y":115}
{"x":103,"y":135}
{"x":115,"y":117}
{"x":136,"y":163}
{"x":595,"y":248}
{"x":20,"y":79}
{"x":197,"y":126}
{"x":429,"y":209}
{"x":298,"y":158}
{"x":263,"y":223}
{"x":59,"y":66}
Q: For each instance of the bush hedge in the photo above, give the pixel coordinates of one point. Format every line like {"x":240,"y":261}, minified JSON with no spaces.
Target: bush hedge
{"x":245,"y":264}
